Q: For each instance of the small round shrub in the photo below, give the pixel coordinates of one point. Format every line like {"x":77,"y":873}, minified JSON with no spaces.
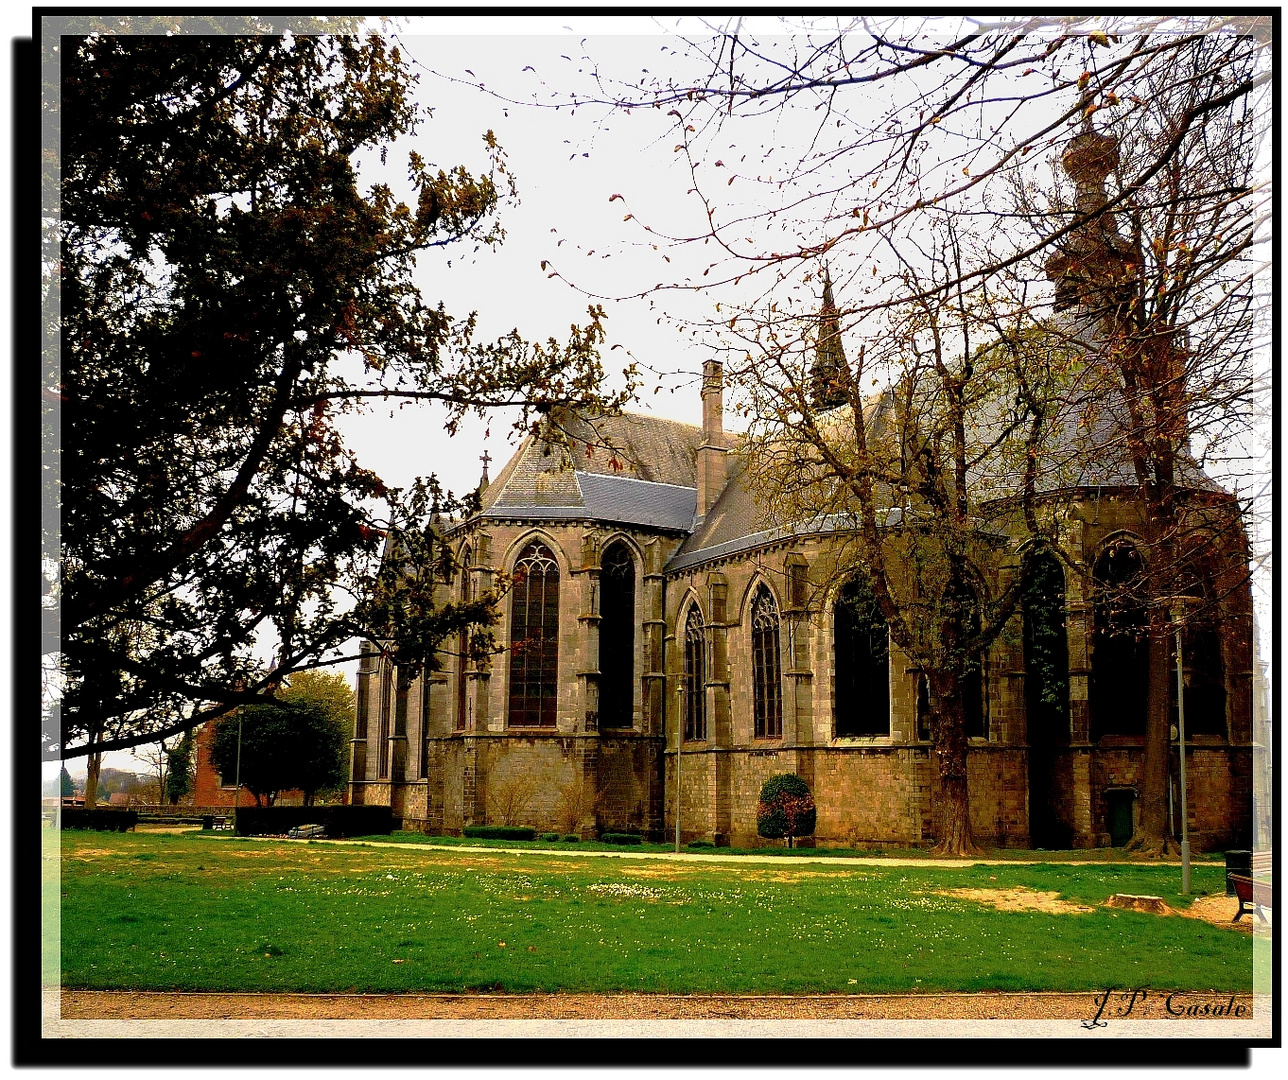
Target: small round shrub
{"x":786,"y":808}
{"x":571,"y":838}
{"x":621,"y":838}
{"x":550,"y":837}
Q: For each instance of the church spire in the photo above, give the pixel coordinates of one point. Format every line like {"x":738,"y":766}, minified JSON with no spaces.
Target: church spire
{"x":827,"y":373}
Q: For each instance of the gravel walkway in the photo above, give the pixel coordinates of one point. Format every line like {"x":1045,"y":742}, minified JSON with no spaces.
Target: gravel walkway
{"x":114,"y":1005}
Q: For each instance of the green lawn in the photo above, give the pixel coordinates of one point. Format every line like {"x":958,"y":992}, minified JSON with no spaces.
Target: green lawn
{"x":159,"y":912}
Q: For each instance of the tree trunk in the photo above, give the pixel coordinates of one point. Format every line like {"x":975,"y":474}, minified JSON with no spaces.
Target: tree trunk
{"x":93,"y":765}
{"x":949,"y":734}
{"x":1153,"y":834}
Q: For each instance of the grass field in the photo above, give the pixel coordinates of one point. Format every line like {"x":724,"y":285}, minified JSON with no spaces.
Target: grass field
{"x":194,"y":912}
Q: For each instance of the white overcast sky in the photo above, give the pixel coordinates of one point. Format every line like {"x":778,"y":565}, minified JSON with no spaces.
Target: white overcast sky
{"x":567,"y":168}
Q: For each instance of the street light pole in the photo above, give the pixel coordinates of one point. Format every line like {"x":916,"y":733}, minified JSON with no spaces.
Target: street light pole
{"x":679,"y":753}
{"x":237,"y":789}
{"x":1180,"y":727}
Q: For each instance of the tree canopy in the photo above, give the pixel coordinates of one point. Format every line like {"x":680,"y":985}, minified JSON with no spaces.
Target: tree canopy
{"x":221,"y":286}
{"x":299,"y":743}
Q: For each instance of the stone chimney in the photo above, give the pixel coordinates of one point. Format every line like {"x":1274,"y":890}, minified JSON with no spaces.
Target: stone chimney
{"x":711,"y":454}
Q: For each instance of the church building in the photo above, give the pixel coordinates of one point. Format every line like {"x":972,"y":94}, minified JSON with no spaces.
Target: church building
{"x":664,"y":650}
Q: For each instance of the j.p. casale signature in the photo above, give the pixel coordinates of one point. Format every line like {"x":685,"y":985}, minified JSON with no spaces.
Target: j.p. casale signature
{"x":1124,"y":1001}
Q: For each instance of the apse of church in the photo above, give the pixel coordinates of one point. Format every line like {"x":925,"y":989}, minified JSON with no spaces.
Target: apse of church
{"x":660,"y":659}
{"x":663,"y":651}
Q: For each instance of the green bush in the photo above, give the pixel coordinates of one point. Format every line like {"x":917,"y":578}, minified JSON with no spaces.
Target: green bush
{"x":786,"y":808}
{"x":499,"y":832}
{"x":697,"y":844}
{"x":621,"y":838}
{"x":571,"y":838}
{"x":550,"y":837}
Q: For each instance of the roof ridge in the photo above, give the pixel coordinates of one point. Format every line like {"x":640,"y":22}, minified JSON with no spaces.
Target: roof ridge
{"x":632,"y":479}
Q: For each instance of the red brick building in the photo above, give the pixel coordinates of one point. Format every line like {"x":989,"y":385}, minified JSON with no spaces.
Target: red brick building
{"x":209,"y":788}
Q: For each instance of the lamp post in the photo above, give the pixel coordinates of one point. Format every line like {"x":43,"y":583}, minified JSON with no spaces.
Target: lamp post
{"x":1177,"y":618}
{"x":237,"y":778}
{"x":679,"y":753}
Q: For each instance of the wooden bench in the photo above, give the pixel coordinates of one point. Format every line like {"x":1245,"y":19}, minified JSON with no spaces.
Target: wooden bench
{"x":1255,"y":892}
{"x":223,"y":823}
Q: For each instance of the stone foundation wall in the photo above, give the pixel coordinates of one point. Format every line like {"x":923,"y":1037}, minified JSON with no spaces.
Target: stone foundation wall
{"x":1220,"y":798}
{"x":629,"y":781}
{"x":696,"y":786}
{"x":999,"y":808}
{"x":867,"y":796}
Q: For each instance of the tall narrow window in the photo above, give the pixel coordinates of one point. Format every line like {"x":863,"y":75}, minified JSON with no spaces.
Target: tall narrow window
{"x":695,"y":676}
{"x":766,"y":667}
{"x":463,"y":646}
{"x":923,"y":707}
{"x":861,"y":640}
{"x":1046,"y":697}
{"x":402,"y":690}
{"x":1119,"y":643}
{"x":534,"y":638}
{"x":1202,"y":669}
{"x":1046,"y":652}
{"x":617,"y":637}
{"x":423,"y":760}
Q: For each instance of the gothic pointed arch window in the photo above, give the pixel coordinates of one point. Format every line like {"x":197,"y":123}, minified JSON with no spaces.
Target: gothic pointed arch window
{"x":617,"y":637}
{"x":463,"y":644}
{"x":695,"y":675}
{"x":861,"y":644}
{"x":1202,"y":667}
{"x":1118,"y":694}
{"x":534,"y":638}
{"x":766,"y":666}
{"x":1046,"y":651}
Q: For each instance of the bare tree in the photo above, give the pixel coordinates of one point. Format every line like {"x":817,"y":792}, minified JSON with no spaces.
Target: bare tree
{"x":577,"y":801}
{"x":1115,"y":317}
{"x":510,"y":797}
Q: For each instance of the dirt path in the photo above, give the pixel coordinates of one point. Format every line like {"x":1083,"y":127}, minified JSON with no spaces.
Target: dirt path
{"x":114,"y":1005}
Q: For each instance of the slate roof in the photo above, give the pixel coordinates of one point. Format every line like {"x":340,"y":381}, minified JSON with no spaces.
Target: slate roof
{"x":635,"y":469}
{"x":630,"y":469}
{"x":1086,"y":447}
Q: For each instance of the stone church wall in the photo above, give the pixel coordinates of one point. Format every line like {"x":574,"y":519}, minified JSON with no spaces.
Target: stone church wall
{"x":870,"y":790}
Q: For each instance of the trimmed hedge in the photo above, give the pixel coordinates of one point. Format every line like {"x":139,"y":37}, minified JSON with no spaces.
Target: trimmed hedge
{"x":571,"y":838}
{"x":499,"y":832}
{"x":339,"y":821}
{"x":698,"y":844}
{"x":621,"y":838}
{"x":99,"y":818}
{"x":550,"y":837}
